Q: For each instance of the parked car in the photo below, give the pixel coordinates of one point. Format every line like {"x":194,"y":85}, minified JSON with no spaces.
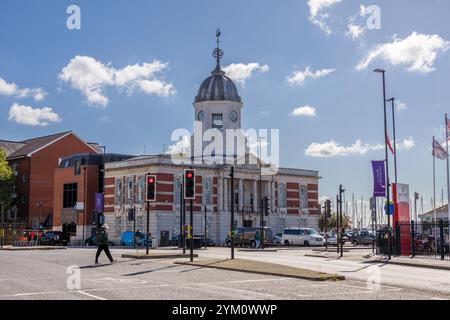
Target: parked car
{"x":332,"y":240}
{"x":208,"y":242}
{"x":55,"y":238}
{"x":175,"y":240}
{"x":363,"y":237}
{"x":246,"y":237}
{"x":277,"y":240}
{"x":302,"y":237}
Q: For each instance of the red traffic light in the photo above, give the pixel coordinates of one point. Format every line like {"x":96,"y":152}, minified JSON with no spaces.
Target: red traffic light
{"x":189,"y":175}
{"x":151,"y":180}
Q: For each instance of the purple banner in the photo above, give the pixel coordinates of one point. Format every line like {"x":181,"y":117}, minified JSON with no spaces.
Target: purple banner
{"x":99,"y":202}
{"x":379,"y":179}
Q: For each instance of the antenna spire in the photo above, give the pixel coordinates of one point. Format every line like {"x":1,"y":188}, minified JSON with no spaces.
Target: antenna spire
{"x":218,"y":53}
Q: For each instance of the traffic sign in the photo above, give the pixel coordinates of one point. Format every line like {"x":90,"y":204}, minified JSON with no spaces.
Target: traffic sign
{"x":391,"y":208}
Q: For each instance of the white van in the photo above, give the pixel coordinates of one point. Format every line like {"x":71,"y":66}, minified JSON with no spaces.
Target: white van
{"x":302,"y":237}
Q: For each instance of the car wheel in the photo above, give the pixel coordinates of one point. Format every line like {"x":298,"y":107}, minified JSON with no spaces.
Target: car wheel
{"x":228,"y":243}
{"x":253,"y":244}
{"x":306,"y":244}
{"x":355,"y":243}
{"x":286,"y":243}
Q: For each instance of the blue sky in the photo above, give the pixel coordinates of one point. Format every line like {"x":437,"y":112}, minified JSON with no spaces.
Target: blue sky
{"x":278,"y":37}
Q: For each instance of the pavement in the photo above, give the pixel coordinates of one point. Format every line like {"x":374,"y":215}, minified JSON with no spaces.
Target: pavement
{"x":45,"y":275}
{"x":264,"y":268}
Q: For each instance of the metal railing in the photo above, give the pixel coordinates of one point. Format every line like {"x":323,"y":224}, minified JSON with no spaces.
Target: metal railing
{"x":430,"y":240}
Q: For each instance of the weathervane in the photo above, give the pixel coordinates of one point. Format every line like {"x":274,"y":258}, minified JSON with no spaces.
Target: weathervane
{"x":218,"y":53}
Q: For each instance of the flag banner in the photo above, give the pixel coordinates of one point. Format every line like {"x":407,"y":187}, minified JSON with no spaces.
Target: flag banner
{"x":438,"y":151}
{"x":99,"y":202}
{"x":379,"y":179}
{"x":447,"y":127}
{"x":403,"y":217}
{"x":388,"y":142}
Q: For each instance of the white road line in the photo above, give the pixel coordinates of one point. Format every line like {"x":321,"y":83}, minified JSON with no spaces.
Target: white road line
{"x":30,"y":294}
{"x":91,"y":295}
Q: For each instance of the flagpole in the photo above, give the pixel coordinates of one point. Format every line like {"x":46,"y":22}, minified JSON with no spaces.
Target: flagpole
{"x":448,"y":169}
{"x":434,"y":189}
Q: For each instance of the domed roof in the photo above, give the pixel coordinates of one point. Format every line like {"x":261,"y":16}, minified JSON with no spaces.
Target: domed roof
{"x":218,"y":87}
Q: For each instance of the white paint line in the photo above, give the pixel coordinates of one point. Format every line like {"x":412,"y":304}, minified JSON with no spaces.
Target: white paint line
{"x":91,"y":295}
{"x":31,"y":294}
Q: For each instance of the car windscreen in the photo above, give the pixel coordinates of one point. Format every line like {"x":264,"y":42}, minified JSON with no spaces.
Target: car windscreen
{"x":310,"y":231}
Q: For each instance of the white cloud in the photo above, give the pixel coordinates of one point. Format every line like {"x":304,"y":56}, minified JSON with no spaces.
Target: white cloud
{"x":364,"y":11}
{"x":355,"y":31}
{"x":240,"y":72}
{"x":406,"y":144}
{"x":332,"y":149}
{"x":418,"y":52}
{"x":90,"y":77}
{"x":11,"y":89}
{"x":33,"y":117}
{"x":299,"y":77}
{"x":305,"y":111}
{"x":318,"y":16}
{"x":400,"y":105}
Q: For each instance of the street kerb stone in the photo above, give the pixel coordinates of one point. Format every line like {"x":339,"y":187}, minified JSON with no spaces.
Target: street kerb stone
{"x":264,"y":268}
{"x":144,"y":256}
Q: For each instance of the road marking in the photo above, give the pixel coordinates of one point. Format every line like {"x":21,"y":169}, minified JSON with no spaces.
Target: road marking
{"x":91,"y":295}
{"x":32,"y":293}
{"x":119,"y":280}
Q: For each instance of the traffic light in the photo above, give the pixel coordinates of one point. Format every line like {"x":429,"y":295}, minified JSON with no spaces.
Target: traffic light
{"x":151,"y":188}
{"x":266,"y":206}
{"x":189,"y":184}
{"x":328,"y":208}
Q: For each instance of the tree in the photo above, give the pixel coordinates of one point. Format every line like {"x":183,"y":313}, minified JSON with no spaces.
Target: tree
{"x":331,"y":222}
{"x":6,"y":181}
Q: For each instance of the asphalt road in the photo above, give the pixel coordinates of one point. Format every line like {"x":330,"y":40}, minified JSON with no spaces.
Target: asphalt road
{"x":43,"y":275}
{"x":352,"y":268}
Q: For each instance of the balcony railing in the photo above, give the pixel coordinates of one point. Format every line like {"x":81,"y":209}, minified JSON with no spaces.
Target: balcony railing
{"x":245,"y":209}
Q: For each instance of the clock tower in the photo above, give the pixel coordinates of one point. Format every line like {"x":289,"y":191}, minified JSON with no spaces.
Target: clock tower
{"x":218,"y":104}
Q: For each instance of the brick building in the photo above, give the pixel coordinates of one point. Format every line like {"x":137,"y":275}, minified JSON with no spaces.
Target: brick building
{"x":77,"y":180}
{"x":293,"y":193}
{"x":34,"y":162}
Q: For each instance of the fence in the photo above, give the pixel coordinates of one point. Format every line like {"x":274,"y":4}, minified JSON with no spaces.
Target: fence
{"x":416,"y":239}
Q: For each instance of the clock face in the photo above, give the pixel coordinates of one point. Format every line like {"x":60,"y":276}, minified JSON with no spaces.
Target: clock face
{"x":201,"y":116}
{"x":234,"y":116}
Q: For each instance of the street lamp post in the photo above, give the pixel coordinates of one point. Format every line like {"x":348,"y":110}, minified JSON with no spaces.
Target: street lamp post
{"x":388,"y":209}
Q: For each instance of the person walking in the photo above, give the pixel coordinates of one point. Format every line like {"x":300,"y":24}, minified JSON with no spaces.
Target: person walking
{"x":102,"y":243}
{"x":257,"y":239}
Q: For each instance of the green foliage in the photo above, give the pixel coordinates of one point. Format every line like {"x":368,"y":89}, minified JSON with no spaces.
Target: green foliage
{"x":6,"y":180}
{"x":332,"y":222}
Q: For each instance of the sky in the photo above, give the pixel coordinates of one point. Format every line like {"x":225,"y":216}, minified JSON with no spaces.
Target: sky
{"x":128,"y":76}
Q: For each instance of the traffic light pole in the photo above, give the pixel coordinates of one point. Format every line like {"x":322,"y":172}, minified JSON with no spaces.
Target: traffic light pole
{"x":341,"y":191}
{"x":337,"y":224}
{"x":181,"y":237}
{"x":134,"y":226}
{"x":191,"y":233}
{"x":148,"y":228}
{"x":205,"y":229}
{"x":232,"y":213}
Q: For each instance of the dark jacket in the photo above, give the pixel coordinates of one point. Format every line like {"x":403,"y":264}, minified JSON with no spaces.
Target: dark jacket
{"x":102,"y":236}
